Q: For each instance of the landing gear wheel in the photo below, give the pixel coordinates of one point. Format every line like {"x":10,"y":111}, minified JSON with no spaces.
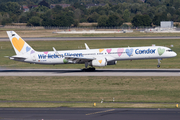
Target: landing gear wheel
{"x":92,"y":69}
{"x":88,"y":69}
{"x":159,"y":62}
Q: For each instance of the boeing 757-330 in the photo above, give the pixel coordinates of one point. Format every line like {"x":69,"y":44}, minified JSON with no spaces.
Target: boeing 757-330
{"x":89,"y":57}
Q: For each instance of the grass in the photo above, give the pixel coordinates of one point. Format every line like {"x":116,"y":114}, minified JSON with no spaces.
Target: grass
{"x":98,"y":105}
{"x":91,"y":89}
{"x":49,"y":33}
{"x":7,"y":50}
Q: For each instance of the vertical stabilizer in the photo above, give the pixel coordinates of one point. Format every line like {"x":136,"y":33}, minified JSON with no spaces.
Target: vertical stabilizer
{"x":19,"y":45}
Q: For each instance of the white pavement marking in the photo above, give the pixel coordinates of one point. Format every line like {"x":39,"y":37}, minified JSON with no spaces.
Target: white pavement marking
{"x":100,"y":112}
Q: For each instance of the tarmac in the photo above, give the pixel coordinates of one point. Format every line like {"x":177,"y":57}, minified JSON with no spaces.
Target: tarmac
{"x":98,"y":72}
{"x":88,"y":114}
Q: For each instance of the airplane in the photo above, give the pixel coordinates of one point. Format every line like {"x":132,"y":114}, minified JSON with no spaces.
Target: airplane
{"x":89,"y":57}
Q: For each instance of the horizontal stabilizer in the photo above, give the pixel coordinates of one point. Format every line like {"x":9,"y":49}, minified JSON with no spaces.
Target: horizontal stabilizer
{"x":17,"y":57}
{"x":6,"y":56}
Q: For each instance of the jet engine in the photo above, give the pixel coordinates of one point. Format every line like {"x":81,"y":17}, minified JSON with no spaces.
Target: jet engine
{"x":99,"y":62}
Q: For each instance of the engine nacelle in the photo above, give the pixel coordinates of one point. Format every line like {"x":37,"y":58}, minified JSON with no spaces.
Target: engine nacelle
{"x":99,"y":62}
{"x":111,"y":62}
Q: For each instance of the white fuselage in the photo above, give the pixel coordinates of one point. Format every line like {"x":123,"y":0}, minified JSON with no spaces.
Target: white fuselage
{"x":110,"y":54}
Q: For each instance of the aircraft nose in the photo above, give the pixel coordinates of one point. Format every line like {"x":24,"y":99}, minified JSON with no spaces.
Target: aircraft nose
{"x":174,"y":54}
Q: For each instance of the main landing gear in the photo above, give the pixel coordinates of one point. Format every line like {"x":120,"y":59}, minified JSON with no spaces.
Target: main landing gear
{"x":90,"y":69}
{"x":159,"y":62}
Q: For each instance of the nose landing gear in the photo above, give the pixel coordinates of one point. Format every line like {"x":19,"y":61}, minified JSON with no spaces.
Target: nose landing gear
{"x":159,"y":62}
{"x":158,"y":66}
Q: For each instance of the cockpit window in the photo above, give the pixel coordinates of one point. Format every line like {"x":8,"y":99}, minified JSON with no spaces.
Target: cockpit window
{"x":169,"y":50}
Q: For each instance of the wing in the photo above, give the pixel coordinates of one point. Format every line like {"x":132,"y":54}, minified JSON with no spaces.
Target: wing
{"x":78,"y":59}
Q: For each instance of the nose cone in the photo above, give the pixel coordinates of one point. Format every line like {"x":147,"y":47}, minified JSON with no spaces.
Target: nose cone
{"x":174,"y":54}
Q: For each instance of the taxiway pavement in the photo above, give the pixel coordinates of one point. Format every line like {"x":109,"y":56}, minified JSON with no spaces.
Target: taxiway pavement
{"x":98,"y":72}
{"x":88,"y":114}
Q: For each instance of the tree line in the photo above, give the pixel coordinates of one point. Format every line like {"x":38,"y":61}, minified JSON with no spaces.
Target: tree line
{"x":105,"y":13}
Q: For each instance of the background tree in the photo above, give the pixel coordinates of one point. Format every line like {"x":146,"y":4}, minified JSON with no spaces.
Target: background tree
{"x":23,"y":19}
{"x":11,"y":8}
{"x":77,"y":13}
{"x":146,"y":20}
{"x":102,"y":21}
{"x":80,"y":6}
{"x":114,"y":21}
{"x":44,"y":3}
{"x":5,"y":21}
{"x":47,"y":22}
{"x":141,"y":20}
{"x":91,"y":10}
{"x":126,"y":15}
{"x":57,"y":9}
{"x":93,"y":18}
{"x":158,"y":18}
{"x":125,"y":26}
{"x":137,"y":21}
{"x":41,"y":8}
{"x":47,"y":18}
{"x":34,"y":21}
{"x":76,"y":23}
{"x":153,"y":2}
{"x":63,"y":21}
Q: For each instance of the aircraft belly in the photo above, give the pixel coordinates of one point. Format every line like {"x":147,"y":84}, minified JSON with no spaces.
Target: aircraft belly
{"x":137,"y":57}
{"x":55,"y":61}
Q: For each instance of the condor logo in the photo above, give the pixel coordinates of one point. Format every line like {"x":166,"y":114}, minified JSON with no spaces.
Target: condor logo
{"x":148,"y":51}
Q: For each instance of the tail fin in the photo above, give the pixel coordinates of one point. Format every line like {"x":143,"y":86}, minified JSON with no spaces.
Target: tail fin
{"x":19,"y":45}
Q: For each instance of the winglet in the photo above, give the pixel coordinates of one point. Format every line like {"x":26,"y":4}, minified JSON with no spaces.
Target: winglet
{"x":55,"y":51}
{"x":87,"y":48}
